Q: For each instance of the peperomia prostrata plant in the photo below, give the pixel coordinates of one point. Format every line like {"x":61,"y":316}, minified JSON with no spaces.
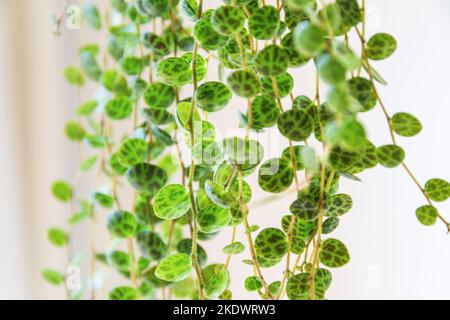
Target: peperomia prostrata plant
{"x":152,"y":78}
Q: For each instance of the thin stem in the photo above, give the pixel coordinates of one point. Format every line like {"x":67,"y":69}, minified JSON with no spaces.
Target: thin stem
{"x":319,"y":232}
{"x":133,"y":261}
{"x":250,"y":240}
{"x":297,"y":184}
{"x":390,"y":126}
{"x":233,"y":239}
{"x":191,"y":170}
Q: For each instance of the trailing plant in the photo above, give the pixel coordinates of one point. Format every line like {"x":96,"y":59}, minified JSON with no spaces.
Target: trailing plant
{"x":152,"y":78}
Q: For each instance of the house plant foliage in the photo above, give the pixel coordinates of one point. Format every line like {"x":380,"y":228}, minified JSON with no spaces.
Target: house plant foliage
{"x":152,"y":77}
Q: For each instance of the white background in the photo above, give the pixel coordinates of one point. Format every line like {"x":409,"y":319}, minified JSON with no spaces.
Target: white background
{"x":393,"y":256}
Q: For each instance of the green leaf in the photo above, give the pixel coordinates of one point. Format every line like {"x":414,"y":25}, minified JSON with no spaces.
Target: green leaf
{"x":305,"y":208}
{"x":333,"y":253}
{"x":174,"y":268}
{"x":207,"y":36}
{"x":182,"y":115}
{"x":295,"y":124}
{"x":329,"y":225}
{"x":171,"y":202}
{"x":151,"y":245}
{"x":264,"y":22}
{"x":427,"y":215}
{"x":246,"y":153}
{"x":227,"y":20}
{"x":276,"y":175}
{"x":406,"y":125}
{"x":226,"y":295}
{"x":264,"y":112}
{"x":103,"y":200}
{"x":298,"y":286}
{"x":202,"y":64}
{"x":244,"y":83}
{"x":116,"y":165}
{"x":174,"y":71}
{"x":53,"y":277}
{"x":74,"y":131}
{"x":119,"y":260}
{"x":352,"y":134}
{"x":213,"y":218}
{"x":309,"y":39}
{"x":272,"y":61}
{"x":119,"y":5}
{"x":92,"y":16}
{"x":234,"y":248}
{"x":303,"y":229}
{"x":190,"y":9}
{"x":132,"y":151}
{"x":390,"y":156}
{"x":62,"y":191}
{"x":146,"y":178}
{"x":213,"y":96}
{"x":271,"y":244}
{"x":78,"y":217}
{"x":132,"y":65}
{"x":438,"y":189}
{"x":330,"y":69}
{"x":216,"y":278}
{"x":88,"y":164}
{"x":185,"y":246}
{"x":57,"y":237}
{"x":253,"y":283}
{"x":114,"y":82}
{"x":122,"y":224}
{"x":217,"y":194}
{"x":123,"y":293}
{"x":381,"y":46}
{"x":87,"y":108}
{"x":159,"y":95}
{"x":252,"y":229}
{"x":338,"y":205}
{"x":90,"y":65}
{"x":361,"y":89}
{"x":74,"y":76}
{"x":284,"y":85}
{"x":350,"y":13}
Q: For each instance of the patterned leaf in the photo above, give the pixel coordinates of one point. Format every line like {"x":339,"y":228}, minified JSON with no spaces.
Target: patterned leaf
{"x":171,"y":202}
{"x":271,"y":244}
{"x":437,"y":189}
{"x":333,"y":253}
{"x":174,"y":268}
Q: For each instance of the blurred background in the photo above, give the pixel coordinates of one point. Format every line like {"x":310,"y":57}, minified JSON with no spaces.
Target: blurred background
{"x":393,"y":256}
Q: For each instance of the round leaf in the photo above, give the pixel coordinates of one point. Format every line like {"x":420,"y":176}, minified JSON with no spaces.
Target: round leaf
{"x":437,"y":189}
{"x":406,"y":124}
{"x":390,"y":156}
{"x":171,"y":202}
{"x":276,"y":175}
{"x":174,"y":268}
{"x":122,"y":224}
{"x":271,"y":244}
{"x":213,"y":218}
{"x":381,"y":46}
{"x":333,"y":253}
{"x":295,"y":124}
{"x":146,"y":177}
{"x":272,"y":61}
{"x":427,"y":215}
{"x":213,"y":96}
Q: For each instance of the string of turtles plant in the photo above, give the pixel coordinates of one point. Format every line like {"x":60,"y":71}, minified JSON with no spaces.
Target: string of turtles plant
{"x":153,"y":71}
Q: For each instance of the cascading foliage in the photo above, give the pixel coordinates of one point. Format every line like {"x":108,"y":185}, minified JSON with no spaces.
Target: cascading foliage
{"x":152,"y":77}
